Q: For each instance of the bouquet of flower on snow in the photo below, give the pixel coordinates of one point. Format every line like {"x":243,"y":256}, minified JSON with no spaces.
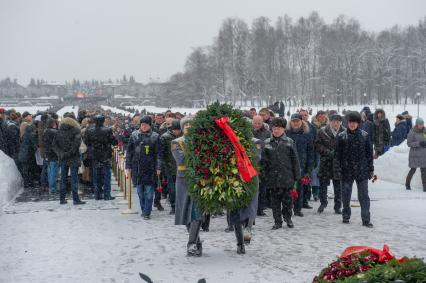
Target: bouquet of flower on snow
{"x":366,"y":264}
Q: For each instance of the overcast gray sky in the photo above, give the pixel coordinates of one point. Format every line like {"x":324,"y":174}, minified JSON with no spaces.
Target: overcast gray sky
{"x":100,"y":39}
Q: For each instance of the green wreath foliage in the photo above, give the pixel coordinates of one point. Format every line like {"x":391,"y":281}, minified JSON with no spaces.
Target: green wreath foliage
{"x":212,"y":174}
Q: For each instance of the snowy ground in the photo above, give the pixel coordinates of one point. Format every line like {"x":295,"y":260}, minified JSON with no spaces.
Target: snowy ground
{"x":46,"y":242}
{"x":30,"y":109}
{"x":116,"y":110}
{"x":66,"y":109}
{"x":393,"y":166}
{"x":154,"y":109}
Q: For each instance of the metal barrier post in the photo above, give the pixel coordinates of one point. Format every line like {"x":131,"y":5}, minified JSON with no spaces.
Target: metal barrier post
{"x":120,"y":176}
{"x":129,"y":209}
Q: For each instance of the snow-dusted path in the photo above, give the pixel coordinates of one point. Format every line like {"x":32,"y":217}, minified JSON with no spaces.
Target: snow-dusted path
{"x":66,"y":109}
{"x":46,"y":242}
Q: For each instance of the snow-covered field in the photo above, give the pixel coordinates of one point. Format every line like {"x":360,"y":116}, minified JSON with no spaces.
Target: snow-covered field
{"x":30,"y":109}
{"x":46,"y":242}
{"x":116,"y":110}
{"x":154,"y":109}
{"x":66,"y":109}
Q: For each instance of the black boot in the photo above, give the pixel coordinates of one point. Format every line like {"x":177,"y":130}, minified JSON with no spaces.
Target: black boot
{"x":240,"y":238}
{"x":289,"y":222}
{"x":277,"y":226}
{"x":367,"y":224}
{"x":172,"y":211}
{"x":307,"y":206}
{"x":78,"y":202}
{"x":230,"y":227}
{"x":159,"y":206}
{"x":206,"y":223}
{"x":194,"y":242}
{"x":321,"y":208}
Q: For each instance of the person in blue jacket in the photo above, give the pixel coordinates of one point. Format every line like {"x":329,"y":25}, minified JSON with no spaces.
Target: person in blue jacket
{"x":399,"y":134}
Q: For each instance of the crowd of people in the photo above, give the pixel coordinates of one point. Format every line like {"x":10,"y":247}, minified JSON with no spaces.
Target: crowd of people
{"x":301,"y":153}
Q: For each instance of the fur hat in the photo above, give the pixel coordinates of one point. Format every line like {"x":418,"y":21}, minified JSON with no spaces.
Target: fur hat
{"x":146,"y":120}
{"x":279,"y":122}
{"x":353,"y":117}
{"x":185,"y":120}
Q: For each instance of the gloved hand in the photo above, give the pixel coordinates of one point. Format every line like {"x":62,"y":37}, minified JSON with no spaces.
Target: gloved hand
{"x":422,"y":143}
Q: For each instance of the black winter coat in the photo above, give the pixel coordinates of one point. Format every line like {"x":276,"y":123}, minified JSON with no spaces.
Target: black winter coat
{"x":13,"y":139}
{"x":167,"y":159}
{"x":143,"y":157}
{"x":381,"y":133}
{"x":305,"y":147}
{"x":325,"y":145}
{"x":100,"y":140}
{"x":280,"y":163}
{"x":262,"y":134}
{"x":367,"y":126}
{"x":314,"y":128}
{"x":353,"y":158}
{"x":49,"y":136}
{"x":28,"y":146}
{"x":155,"y":128}
{"x":67,"y":143}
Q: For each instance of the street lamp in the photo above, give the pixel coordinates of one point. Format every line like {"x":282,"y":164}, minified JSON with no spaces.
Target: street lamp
{"x":323,"y":101}
{"x":294,"y":102}
{"x":338,"y":100}
{"x":418,"y":105}
{"x":365,"y":98}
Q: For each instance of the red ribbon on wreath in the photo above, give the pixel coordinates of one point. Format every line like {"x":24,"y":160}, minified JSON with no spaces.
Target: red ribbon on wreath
{"x":384,"y":255}
{"x":246,"y":169}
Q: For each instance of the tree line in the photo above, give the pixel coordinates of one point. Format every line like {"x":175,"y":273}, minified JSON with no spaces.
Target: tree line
{"x":304,"y":62}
